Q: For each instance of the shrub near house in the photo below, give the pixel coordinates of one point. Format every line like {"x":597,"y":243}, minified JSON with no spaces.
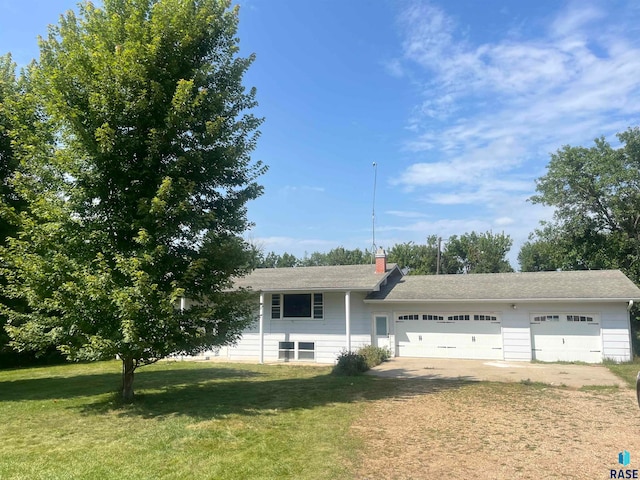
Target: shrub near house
{"x":355,"y":363}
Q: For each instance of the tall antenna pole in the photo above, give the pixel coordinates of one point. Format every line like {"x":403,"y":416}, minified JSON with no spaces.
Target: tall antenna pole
{"x":438,"y":260}
{"x":373,"y":212}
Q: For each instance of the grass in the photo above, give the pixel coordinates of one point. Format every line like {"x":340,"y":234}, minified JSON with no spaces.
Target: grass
{"x":190,"y":420}
{"x":600,"y":388}
{"x":628,"y":371}
{"x":212,"y":420}
{"x":530,"y":383}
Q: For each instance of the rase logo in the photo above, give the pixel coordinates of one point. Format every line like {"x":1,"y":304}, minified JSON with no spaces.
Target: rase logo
{"x":624,"y":459}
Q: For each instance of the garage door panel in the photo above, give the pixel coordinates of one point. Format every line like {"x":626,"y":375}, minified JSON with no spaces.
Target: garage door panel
{"x":561,"y":340}
{"x":449,"y":339}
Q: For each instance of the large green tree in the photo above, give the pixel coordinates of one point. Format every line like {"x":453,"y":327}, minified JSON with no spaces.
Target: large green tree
{"x":337,"y":256}
{"x":596,"y":195}
{"x":542,"y":251}
{"x":19,"y":117}
{"x":8,"y":164}
{"x":142,"y":198}
{"x":480,"y":252}
{"x":422,"y":259}
{"x":468,"y":253}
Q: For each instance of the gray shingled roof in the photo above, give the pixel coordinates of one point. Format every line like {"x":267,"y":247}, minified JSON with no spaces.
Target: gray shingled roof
{"x":583,"y":285}
{"x":340,"y":277}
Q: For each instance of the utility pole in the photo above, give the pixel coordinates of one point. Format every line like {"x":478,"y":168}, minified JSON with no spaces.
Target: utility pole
{"x":438,"y":261}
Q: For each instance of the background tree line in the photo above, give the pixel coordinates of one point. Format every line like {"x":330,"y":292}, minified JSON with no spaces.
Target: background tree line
{"x":469,"y":253}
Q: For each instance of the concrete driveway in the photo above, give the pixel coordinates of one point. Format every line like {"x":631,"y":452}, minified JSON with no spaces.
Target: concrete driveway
{"x":574,"y":376}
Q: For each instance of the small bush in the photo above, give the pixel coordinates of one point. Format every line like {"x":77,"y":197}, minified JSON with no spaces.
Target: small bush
{"x":355,"y":363}
{"x":350,"y":363}
{"x":374,"y":355}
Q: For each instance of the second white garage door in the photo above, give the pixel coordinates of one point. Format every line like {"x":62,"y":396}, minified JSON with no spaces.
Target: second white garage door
{"x":566,"y":338}
{"x":465,"y":335}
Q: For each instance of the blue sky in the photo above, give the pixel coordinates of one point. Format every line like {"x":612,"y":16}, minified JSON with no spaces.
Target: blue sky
{"x":459,"y":103}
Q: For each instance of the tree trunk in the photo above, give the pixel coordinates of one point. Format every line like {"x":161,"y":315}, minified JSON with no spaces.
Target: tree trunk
{"x":128,"y":367}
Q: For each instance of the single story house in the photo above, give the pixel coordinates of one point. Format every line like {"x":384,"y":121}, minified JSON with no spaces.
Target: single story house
{"x":313,"y":313}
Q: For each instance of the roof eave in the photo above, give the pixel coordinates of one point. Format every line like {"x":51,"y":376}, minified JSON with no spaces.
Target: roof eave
{"x":313,"y":289}
{"x":500,"y":300}
{"x":358,"y":288}
{"x":386,"y":275}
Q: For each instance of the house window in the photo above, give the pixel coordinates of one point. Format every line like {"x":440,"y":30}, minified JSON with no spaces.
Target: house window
{"x":286,"y":350}
{"x":458,"y":317}
{"x":579,"y":318}
{"x":306,"y":350}
{"x":381,"y":325}
{"x":318,"y":305}
{"x":297,"y":305}
{"x":490,"y":318}
{"x":546,"y":318}
{"x":409,"y":317}
{"x":296,"y":351}
{"x":275,"y":306}
{"x":432,"y":317}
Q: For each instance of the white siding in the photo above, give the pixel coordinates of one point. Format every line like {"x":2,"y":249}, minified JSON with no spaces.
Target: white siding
{"x":248,"y":347}
{"x":616,"y":337}
{"x":516,"y":334}
{"x":328,"y":334}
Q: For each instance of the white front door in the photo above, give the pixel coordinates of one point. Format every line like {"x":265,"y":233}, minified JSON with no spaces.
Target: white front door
{"x":380,"y":337}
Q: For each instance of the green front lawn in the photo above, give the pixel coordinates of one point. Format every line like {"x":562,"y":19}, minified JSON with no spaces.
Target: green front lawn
{"x":190,"y":420}
{"x":628,"y":371}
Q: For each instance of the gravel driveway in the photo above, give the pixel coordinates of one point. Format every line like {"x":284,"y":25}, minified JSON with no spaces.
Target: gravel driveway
{"x":454,"y":426}
{"x":569,"y":375}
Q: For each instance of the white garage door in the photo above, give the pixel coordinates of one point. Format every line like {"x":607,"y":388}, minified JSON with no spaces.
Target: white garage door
{"x":466,"y":335}
{"x":566,"y":338}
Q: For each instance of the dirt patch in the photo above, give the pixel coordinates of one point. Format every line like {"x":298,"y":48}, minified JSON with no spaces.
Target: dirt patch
{"x":497,"y":431}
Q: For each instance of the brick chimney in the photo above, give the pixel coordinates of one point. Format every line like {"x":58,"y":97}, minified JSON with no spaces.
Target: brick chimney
{"x":381,"y":261}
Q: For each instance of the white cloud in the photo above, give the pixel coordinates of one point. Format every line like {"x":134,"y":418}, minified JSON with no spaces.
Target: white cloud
{"x":523,"y":89}
{"x":296,"y":246}
{"x":504,"y":221}
{"x":464,"y":167}
{"x":443,"y":227}
{"x":491,"y":112}
{"x":406,"y":214}
{"x":577,"y":15}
